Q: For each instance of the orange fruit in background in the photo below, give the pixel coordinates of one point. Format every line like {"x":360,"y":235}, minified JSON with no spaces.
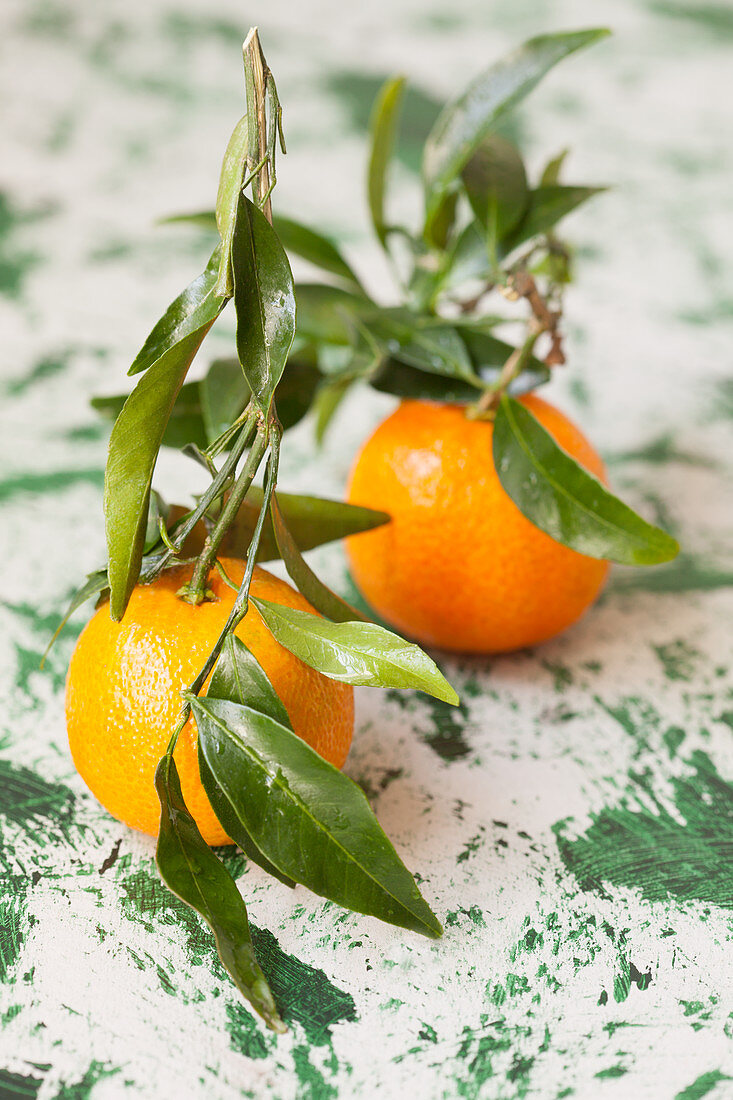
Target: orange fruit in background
{"x":122,"y":692}
{"x":459,"y":566}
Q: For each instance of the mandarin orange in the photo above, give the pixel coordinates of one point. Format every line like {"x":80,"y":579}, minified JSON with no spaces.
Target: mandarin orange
{"x":124,"y":680}
{"x":459,"y":566}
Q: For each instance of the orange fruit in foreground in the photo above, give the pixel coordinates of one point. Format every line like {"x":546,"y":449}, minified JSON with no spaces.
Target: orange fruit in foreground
{"x":122,"y":692}
{"x":459,"y":566}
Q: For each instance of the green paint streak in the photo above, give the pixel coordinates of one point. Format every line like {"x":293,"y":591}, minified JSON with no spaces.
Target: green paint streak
{"x":612,"y":1071}
{"x":16,"y":1086}
{"x":673,"y":738}
{"x":32,"y":803}
{"x":478,"y":1052}
{"x":15,"y":263}
{"x":82,"y":1090}
{"x":303,"y":993}
{"x":684,"y":574}
{"x":630,"y":846}
{"x":702,"y":1085}
{"x":13,"y":923}
{"x":716,"y":18}
{"x":46,"y":367}
{"x":50,"y":482}
{"x":659,"y":452}
{"x":245,"y":1034}
{"x":678,"y":660}
{"x":312,"y":1085}
{"x":447,"y":736}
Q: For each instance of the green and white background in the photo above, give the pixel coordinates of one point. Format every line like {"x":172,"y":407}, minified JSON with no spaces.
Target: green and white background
{"x":572,"y":822}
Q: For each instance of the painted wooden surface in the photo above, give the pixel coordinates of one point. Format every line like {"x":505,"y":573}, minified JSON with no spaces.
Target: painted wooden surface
{"x":571,"y":823}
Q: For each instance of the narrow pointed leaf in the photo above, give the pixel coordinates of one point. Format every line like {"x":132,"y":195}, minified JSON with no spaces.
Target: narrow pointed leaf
{"x":547,"y":206}
{"x":185,"y":423}
{"x":227,"y":199}
{"x":430,"y":345}
{"x":355,"y":653}
{"x":202,"y":219}
{"x":223,"y":394}
{"x":191,"y":870}
{"x":314,"y":590}
{"x":133,"y":450}
{"x":324,"y":313}
{"x":564,"y":500}
{"x":264,"y":300}
{"x":496,"y":172}
{"x":327,"y":402}
{"x":312,"y":521}
{"x":315,"y":248}
{"x":463,"y":123}
{"x":239,"y":677}
{"x":310,"y":820}
{"x":551,"y":171}
{"x":191,"y":314}
{"x":383,"y":130}
{"x":94,"y":585}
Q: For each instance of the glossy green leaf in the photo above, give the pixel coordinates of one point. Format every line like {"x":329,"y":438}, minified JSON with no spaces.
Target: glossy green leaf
{"x":264,"y":300}
{"x":355,"y":653}
{"x":133,"y":449}
{"x":311,"y":821}
{"x":430,"y":345}
{"x":239,"y":677}
{"x":547,"y":205}
{"x":401,"y":380}
{"x":185,"y":424}
{"x":462,"y":124}
{"x":312,"y":521}
{"x":383,"y":126}
{"x":325,"y":313}
{"x":489,"y":354}
{"x":191,"y":315}
{"x":315,"y":248}
{"x":496,"y":173}
{"x":191,"y":870}
{"x":564,"y":500}
{"x":227,"y":200}
{"x":315,"y":591}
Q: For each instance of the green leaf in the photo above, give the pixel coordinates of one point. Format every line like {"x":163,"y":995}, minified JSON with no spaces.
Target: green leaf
{"x":312,"y":521}
{"x":133,"y":449}
{"x":325,"y":313}
{"x":328,"y":399}
{"x":185,"y":424}
{"x":355,"y":653}
{"x":547,"y":205}
{"x":239,"y":677}
{"x":315,"y":248}
{"x":223,"y":394}
{"x":383,"y":132}
{"x":191,"y":870}
{"x":430,"y":345}
{"x":463,"y":123}
{"x":317,"y":593}
{"x":488,"y":355}
{"x":311,"y":821}
{"x":468,"y":257}
{"x":296,"y":390}
{"x":202,"y":219}
{"x":564,"y":500}
{"x":227,"y":199}
{"x":94,"y":585}
{"x":264,"y":300}
{"x":551,"y":171}
{"x":397,"y":378}
{"x":496,"y":173}
{"x":191,"y":315}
